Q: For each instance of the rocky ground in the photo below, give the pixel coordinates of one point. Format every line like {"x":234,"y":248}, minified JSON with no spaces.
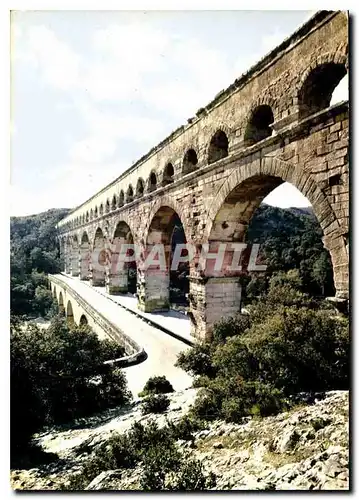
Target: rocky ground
{"x":306,"y":448}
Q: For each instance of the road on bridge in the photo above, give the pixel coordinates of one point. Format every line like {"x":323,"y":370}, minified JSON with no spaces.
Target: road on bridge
{"x":162,"y":349}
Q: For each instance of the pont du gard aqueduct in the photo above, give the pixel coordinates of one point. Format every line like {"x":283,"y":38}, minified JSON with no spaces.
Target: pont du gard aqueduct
{"x":274,"y":124}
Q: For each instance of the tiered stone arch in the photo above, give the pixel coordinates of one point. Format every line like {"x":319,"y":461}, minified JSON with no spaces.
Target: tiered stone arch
{"x":167,"y":201}
{"x":219,"y":126}
{"x":70,"y":314}
{"x":338,"y":58}
{"x":122,"y":233}
{"x":154,"y":281}
{"x":272,"y":167}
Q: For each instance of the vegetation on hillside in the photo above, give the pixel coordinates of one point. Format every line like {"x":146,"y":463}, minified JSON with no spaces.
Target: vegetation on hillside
{"x":34,"y":252}
{"x":163,"y":466}
{"x":289,"y":239}
{"x":57,"y":375}
{"x":288,"y":343}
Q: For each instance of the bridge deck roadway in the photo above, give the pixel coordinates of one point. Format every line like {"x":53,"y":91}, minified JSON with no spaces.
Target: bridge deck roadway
{"x":162,"y":349}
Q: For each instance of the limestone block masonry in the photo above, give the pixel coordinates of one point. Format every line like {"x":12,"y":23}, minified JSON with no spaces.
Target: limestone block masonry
{"x":274,"y":124}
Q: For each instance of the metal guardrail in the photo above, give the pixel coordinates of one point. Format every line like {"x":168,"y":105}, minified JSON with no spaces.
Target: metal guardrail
{"x":135,"y":353}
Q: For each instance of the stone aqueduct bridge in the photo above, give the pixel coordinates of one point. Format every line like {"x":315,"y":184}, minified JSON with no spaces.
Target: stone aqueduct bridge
{"x":273,"y":124}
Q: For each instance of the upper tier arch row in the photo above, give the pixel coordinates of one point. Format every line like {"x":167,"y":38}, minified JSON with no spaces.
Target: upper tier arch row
{"x":295,"y":83}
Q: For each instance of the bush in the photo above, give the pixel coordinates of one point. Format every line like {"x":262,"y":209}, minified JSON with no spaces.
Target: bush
{"x":57,"y":374}
{"x":155,"y":403}
{"x":288,"y":345}
{"x":301,"y":350}
{"x":185,"y":428}
{"x":197,"y":360}
{"x":156,"y":385}
{"x":230,"y":327}
{"x":164,"y":467}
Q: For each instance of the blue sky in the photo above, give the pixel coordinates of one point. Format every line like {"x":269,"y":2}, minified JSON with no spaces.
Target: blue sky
{"x":93,"y":91}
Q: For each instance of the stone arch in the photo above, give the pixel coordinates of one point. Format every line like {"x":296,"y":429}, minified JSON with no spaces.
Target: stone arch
{"x":122,"y":276}
{"x":114,"y":202}
{"x":54,"y":293}
{"x":317,"y":83}
{"x":74,"y":256}
{"x":190,"y":161}
{"x":69,"y":314}
{"x":98,"y":259}
{"x":165,"y":229}
{"x":259,"y":124}
{"x":270,"y":173}
{"x":218,"y":147}
{"x":83,"y":320}
{"x":107,"y":206}
{"x":101,"y":209}
{"x":168,"y":174}
{"x":96,"y":212}
{"x":87,"y":216}
{"x":129,"y":194}
{"x":61,"y":304}
{"x":85,"y":256}
{"x":152,"y":181}
{"x":121,"y":199}
{"x":140,"y":188}
{"x":175,"y":206}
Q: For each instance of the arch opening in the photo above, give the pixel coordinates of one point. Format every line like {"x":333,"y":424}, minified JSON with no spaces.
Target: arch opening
{"x":152,"y":182}
{"x":267,"y":211}
{"x":259,"y":125}
{"x":129,"y":194}
{"x":70,"y":314}
{"x":98,"y":259}
{"x":123,"y":270}
{"x":83,"y":320}
{"x":114,"y":202}
{"x":85,"y":257}
{"x":168,"y":174}
{"x":273,"y":242}
{"x":61,"y":304}
{"x":101,"y":209}
{"x":107,"y":206}
{"x":218,"y":147}
{"x":190,"y":161}
{"x":317,"y":90}
{"x":166,"y":286}
{"x":121,"y":199}
{"x":75,"y":256}
{"x":140,"y":188}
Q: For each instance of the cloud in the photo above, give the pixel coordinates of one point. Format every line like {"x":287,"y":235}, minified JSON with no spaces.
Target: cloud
{"x":71,"y":184}
{"x":93,"y":149}
{"x":163,"y":76}
{"x":57,"y":63}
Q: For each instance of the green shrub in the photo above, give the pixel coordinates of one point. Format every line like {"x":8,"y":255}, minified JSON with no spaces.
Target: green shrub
{"x":155,"y":403}
{"x":156,"y":385}
{"x":164,"y":467}
{"x":197,"y":360}
{"x":190,"y":477}
{"x":288,"y":345}
{"x":57,"y":374}
{"x":185,"y":428}
{"x":301,"y":350}
{"x":207,"y":405}
{"x":230,"y":327}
